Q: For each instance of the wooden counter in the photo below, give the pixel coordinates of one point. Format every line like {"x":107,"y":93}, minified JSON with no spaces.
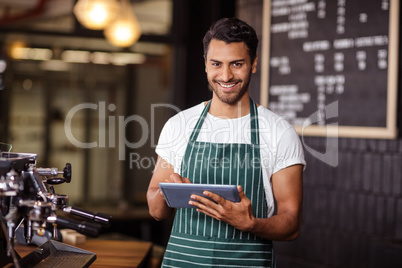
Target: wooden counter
{"x":110,"y":253}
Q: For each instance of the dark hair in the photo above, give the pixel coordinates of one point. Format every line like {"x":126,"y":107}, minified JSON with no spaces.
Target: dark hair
{"x":232,"y":30}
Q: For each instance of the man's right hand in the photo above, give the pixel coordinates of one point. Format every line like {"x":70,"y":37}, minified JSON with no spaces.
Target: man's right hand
{"x":164,"y":172}
{"x":175,"y":178}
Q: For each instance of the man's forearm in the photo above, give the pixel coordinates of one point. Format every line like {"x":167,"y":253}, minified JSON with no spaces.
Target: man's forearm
{"x":157,"y":205}
{"x":283,"y":227}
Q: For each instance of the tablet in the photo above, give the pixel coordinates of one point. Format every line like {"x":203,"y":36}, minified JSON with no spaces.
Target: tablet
{"x":177,"y":195}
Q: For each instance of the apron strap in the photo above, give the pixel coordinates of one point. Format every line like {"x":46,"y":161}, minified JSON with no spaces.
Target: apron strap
{"x":197,"y":128}
{"x":254,"y":126}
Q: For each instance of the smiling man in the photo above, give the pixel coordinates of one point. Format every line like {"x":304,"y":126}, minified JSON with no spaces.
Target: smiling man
{"x":229,"y":140}
{"x":229,"y":69}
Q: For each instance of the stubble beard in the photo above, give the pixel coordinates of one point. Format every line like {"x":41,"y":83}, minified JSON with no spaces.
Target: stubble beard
{"x":230,"y":98}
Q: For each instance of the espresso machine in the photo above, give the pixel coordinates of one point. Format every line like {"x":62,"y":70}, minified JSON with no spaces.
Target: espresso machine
{"x":28,"y":201}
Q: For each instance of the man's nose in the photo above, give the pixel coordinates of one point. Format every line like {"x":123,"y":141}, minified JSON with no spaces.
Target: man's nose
{"x":226,"y":74}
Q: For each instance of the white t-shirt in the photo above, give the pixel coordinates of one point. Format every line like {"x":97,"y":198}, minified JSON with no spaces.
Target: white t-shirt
{"x":280,"y":145}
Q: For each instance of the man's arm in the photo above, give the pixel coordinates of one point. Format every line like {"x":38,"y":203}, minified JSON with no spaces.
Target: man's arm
{"x":164,"y":172}
{"x":285,"y":225}
{"x":287,"y":186}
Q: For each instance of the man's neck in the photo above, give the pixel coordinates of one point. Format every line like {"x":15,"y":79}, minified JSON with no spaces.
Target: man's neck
{"x":225,"y":110}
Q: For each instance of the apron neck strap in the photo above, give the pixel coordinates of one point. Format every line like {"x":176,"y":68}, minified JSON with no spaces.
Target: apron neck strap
{"x":197,"y":128}
{"x":255,"y":137}
{"x":254,"y":126}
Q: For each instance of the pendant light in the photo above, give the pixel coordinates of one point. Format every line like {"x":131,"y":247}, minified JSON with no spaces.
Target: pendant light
{"x":125,"y":29}
{"x":96,"y":14}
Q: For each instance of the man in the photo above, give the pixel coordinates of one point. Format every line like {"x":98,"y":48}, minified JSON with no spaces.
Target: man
{"x":229,"y":140}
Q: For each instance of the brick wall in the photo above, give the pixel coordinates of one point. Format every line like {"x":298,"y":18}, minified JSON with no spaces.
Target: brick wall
{"x":352,"y":213}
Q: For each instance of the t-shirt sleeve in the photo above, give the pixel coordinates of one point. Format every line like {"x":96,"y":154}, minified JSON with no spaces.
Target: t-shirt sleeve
{"x":163,"y":149}
{"x":290,"y":151}
{"x":172,"y":143}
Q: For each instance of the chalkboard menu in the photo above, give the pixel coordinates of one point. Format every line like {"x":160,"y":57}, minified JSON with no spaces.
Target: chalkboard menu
{"x":330,"y":67}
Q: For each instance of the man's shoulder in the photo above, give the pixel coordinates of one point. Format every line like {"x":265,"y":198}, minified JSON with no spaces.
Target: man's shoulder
{"x":270,"y":116}
{"x":262,"y":110}
{"x":187,"y":114}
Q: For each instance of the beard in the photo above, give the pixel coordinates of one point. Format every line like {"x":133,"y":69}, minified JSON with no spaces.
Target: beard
{"x":232,"y":97}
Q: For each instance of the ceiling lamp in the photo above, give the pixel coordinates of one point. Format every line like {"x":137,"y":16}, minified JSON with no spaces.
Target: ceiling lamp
{"x":96,"y":14}
{"x":125,"y":29}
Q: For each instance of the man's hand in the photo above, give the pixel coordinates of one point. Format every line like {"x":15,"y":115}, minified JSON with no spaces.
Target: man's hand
{"x":175,"y":178}
{"x":164,"y":172}
{"x":284,"y":226}
{"x":240,"y":215}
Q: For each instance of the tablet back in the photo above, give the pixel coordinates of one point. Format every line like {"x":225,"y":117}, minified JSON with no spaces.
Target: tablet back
{"x":177,"y":195}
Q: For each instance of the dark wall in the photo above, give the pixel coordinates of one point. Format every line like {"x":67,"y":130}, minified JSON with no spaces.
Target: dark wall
{"x":191,"y":21}
{"x":352,"y":213}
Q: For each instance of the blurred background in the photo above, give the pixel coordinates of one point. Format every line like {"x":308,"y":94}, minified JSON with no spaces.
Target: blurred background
{"x":74,"y":94}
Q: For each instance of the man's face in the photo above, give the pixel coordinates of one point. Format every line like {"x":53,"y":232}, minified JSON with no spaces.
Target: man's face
{"x":229,"y":69}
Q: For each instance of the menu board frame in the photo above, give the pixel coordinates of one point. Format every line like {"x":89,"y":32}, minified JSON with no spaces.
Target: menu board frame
{"x":390,"y":131}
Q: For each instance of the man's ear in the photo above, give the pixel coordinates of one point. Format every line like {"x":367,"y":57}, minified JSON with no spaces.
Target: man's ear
{"x":205,"y":63}
{"x":254,"y":66}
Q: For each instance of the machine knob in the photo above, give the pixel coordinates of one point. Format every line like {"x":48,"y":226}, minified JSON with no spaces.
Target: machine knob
{"x":67,"y":172}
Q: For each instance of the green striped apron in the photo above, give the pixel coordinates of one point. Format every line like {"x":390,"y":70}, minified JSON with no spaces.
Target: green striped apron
{"x":198,"y":240}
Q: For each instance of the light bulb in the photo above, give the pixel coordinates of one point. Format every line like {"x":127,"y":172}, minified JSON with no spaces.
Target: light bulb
{"x":125,"y":30}
{"x":95,"y":14}
{"x":98,"y":14}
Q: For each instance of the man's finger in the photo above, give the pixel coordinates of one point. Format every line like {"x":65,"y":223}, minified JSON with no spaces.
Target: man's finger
{"x":178,"y":179}
{"x":241,"y":192}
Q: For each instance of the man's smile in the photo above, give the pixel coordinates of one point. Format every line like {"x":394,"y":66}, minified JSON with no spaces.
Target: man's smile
{"x":228,"y":86}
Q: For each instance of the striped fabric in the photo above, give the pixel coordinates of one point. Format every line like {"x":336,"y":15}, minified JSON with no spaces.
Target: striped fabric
{"x":198,"y":240}
{"x":200,"y":251}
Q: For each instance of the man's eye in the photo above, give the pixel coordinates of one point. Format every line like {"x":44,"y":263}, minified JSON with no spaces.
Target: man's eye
{"x":237,"y":64}
{"x":215,"y":64}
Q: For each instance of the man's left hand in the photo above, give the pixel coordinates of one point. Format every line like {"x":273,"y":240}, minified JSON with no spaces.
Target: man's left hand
{"x":240,"y":214}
